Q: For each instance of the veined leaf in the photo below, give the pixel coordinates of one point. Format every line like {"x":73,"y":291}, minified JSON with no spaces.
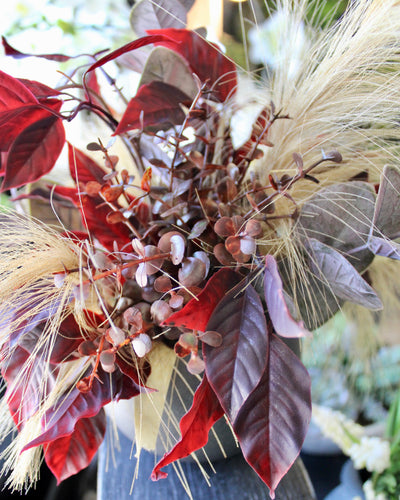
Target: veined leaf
{"x":386,"y":219}
{"x":205,"y":59}
{"x":70,"y":454}
{"x":340,"y":216}
{"x":273,"y":421}
{"x":34,"y":152}
{"x":343,"y":279}
{"x":384,"y":247}
{"x":156,"y":103}
{"x":163,"y":14}
{"x":235,"y":367}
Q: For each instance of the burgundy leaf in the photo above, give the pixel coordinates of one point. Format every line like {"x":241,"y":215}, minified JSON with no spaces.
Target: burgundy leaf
{"x":82,"y":167}
{"x":387,"y":208}
{"x":343,"y":279}
{"x":16,"y":54}
{"x":194,"y":426}
{"x":154,"y":104}
{"x":61,"y":419}
{"x":197,"y":312}
{"x":205,"y":59}
{"x":384,"y":247}
{"x":273,"y":421}
{"x":34,"y":152}
{"x":278,"y":310}
{"x":235,"y":367}
{"x":14,"y":121}
{"x":70,"y":454}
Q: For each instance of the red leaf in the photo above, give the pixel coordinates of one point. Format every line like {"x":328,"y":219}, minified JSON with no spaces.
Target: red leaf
{"x":16,"y":54}
{"x":136,"y":44}
{"x":155,"y":103}
{"x":82,"y":167}
{"x":14,"y":121}
{"x":240,"y":319}
{"x":197,"y":312}
{"x":94,"y":217}
{"x":278,"y":310}
{"x":205,"y":59}
{"x":13,"y":93}
{"x":34,"y":152}
{"x":272,"y":424}
{"x":39,"y":90}
{"x":70,"y":454}
{"x":194,"y":426}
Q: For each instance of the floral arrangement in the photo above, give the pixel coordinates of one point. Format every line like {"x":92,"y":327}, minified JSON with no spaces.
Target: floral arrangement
{"x":378,"y":455}
{"x":198,"y":245}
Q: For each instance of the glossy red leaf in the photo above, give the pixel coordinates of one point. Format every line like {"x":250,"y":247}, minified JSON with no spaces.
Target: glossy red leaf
{"x":156,"y":103}
{"x":197,"y":312}
{"x":194,"y":426}
{"x":34,"y":152}
{"x":205,"y":59}
{"x":273,"y":421}
{"x":16,"y":54}
{"x":240,"y":319}
{"x":70,"y":454}
{"x":82,"y":168}
{"x":14,"y":93}
{"x":278,"y":311}
{"x":39,"y":89}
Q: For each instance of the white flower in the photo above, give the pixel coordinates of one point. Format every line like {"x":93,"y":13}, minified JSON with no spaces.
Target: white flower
{"x":343,"y":431}
{"x":370,"y":494}
{"x":279,"y":41}
{"x":371,"y":453}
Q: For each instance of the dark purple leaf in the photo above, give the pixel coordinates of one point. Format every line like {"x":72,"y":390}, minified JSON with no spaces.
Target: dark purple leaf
{"x":273,"y":421}
{"x":278,"y":311}
{"x":343,"y":279}
{"x":235,"y":367}
{"x":70,"y":454}
{"x":16,"y":54}
{"x":156,"y":103}
{"x":386,"y":219}
{"x":194,"y":426}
